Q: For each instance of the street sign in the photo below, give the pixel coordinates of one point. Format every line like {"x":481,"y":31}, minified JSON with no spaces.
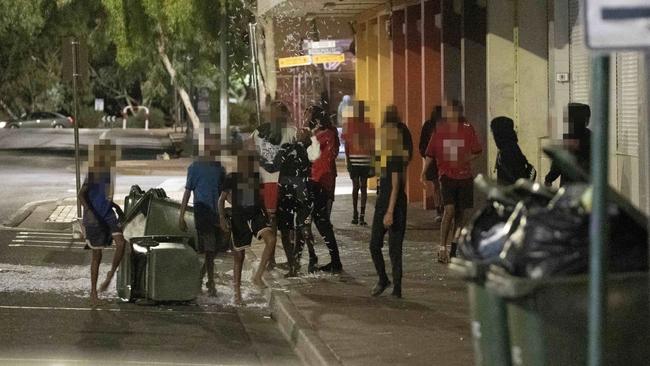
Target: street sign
{"x":322,"y":51}
{"x":294,"y":61}
{"x":618,"y":24}
{"x":322,"y":44}
{"x":329,"y":58}
{"x":99,"y":104}
{"x":67,"y":60}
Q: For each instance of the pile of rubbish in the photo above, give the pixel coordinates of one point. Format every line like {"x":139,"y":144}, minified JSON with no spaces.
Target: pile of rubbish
{"x":536,"y":232}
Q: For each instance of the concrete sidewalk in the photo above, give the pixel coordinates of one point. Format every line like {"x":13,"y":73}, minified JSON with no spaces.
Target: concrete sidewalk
{"x":334,"y":320}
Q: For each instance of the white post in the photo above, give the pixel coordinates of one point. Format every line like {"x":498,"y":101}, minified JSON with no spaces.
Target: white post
{"x":146,"y":121}
{"x":124,"y":115}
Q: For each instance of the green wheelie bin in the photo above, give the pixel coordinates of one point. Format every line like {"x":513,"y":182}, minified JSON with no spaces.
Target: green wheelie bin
{"x":547,"y":318}
{"x":489,"y":323}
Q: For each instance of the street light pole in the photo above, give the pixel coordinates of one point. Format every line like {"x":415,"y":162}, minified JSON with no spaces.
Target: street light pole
{"x":223,"y":53}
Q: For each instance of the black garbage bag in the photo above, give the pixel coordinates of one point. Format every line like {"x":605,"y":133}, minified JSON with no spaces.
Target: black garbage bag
{"x":554,"y":240}
{"x":482,"y":240}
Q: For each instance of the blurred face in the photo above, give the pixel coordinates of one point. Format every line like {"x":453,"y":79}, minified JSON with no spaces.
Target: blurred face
{"x":209,"y":143}
{"x":102,"y":157}
{"x":450,"y":111}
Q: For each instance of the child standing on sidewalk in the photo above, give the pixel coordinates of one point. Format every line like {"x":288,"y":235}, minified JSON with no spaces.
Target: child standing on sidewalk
{"x":248,"y":216}
{"x":390,"y":207}
{"x":295,"y":207}
{"x":100,"y":222}
{"x":205,"y":178}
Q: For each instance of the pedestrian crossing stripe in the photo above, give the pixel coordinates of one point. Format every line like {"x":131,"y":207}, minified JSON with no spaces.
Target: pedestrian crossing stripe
{"x":46,"y":240}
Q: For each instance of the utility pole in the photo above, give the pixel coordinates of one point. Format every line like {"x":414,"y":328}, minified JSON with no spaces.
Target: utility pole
{"x":223,"y":53}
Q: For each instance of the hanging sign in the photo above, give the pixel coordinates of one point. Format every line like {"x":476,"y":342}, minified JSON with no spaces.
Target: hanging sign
{"x":328,"y":58}
{"x":294,"y":61}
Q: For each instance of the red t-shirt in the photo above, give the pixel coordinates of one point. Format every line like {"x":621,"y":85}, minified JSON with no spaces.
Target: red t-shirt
{"x":452,"y":144}
{"x":323,"y":169}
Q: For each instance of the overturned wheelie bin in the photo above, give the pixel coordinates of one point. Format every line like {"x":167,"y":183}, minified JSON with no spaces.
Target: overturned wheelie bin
{"x":160,"y":262}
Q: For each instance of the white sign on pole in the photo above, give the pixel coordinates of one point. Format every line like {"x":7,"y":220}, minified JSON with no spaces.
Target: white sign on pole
{"x":618,"y":24}
{"x":99,"y":104}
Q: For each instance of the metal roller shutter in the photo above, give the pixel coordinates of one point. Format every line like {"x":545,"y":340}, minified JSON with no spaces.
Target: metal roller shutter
{"x":627,"y":103}
{"x":579,"y":63}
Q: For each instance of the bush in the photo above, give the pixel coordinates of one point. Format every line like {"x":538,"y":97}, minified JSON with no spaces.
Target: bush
{"x":89,"y":117}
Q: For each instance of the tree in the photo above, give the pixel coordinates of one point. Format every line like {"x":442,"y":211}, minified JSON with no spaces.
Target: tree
{"x":175,"y":31}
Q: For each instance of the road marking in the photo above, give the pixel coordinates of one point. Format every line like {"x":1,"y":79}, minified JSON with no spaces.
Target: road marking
{"x":165,"y":311}
{"x":53,"y":233}
{"x":90,"y":361}
{"x":50,"y":246}
{"x":45,"y":241}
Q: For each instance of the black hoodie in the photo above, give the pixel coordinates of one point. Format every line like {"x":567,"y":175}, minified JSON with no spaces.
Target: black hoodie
{"x":511,"y":162}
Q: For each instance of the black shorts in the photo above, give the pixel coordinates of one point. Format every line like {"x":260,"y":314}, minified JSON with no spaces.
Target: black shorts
{"x":361,"y":171}
{"x":295,"y":206}
{"x":457,"y":192}
{"x":208,"y":233}
{"x":246,"y":222}
{"x":99,"y":236}
{"x":432,"y":173}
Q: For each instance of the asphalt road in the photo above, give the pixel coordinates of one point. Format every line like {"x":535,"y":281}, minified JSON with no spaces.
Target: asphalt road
{"x":44,"y":294}
{"x":63,"y":139}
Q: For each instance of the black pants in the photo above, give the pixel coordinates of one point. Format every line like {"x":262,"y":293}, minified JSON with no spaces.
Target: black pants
{"x":321,"y":218}
{"x":395,"y":240}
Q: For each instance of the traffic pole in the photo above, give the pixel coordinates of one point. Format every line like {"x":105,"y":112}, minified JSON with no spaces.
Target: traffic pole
{"x":223,"y":53}
{"x":75,"y":75}
{"x":599,"y":224}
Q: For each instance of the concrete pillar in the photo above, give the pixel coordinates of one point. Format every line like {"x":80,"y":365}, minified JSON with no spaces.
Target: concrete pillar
{"x":531,"y":79}
{"x":474,"y":94}
{"x":385,"y":64}
{"x":559,"y":75}
{"x":412,"y":116}
{"x":431,"y":65}
{"x":373,"y":70}
{"x":361,"y":71}
{"x":451,"y":49}
{"x":500,"y":65}
{"x":399,"y":60}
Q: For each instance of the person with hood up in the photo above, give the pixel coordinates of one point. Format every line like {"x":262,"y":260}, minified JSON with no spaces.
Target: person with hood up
{"x":577,"y":140}
{"x":511,"y":163}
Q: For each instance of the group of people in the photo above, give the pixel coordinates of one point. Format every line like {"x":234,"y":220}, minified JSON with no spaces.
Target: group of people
{"x":449,"y":144}
{"x":282,"y":178}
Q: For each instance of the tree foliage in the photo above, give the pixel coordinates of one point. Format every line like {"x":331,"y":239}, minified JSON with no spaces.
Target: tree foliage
{"x":124,"y":39}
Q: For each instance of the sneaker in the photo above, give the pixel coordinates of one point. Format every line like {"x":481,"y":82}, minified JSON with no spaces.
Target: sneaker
{"x":397,"y":292}
{"x":355,"y":219}
{"x":379,"y":288}
{"x":437,"y":219}
{"x":335,"y":268}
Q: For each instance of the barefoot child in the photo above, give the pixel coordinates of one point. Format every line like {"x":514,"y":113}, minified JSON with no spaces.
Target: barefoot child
{"x":99,"y":220}
{"x":248,"y":216}
{"x":205,"y":178}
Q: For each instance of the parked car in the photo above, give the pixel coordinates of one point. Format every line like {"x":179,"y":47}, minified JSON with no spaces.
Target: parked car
{"x":40,"y":120}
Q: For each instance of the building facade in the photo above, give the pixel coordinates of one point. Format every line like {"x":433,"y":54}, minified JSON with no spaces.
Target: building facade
{"x":523,"y":59}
